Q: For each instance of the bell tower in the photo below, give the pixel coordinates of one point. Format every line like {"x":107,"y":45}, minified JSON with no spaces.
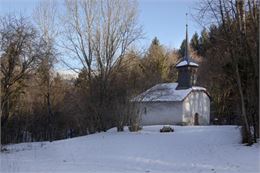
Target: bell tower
{"x":187,"y":68}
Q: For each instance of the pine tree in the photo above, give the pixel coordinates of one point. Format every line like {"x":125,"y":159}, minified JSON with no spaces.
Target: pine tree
{"x":154,"y":64}
{"x":195,"y":42}
{"x":182,"y":48}
{"x":203,"y":42}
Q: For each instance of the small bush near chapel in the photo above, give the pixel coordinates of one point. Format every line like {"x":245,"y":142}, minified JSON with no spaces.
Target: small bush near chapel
{"x":134,"y":128}
{"x":166,"y":129}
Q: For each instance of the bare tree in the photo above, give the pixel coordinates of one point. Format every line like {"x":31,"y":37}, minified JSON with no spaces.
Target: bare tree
{"x":18,"y":54}
{"x":19,"y":50}
{"x":99,"y":33}
{"x":45,"y":18}
{"x":233,"y":17}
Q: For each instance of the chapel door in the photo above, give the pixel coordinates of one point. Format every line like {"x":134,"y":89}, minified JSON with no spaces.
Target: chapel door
{"x":196,"y":119}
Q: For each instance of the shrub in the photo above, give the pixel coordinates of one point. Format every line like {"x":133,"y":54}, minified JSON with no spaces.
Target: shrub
{"x":134,"y":128}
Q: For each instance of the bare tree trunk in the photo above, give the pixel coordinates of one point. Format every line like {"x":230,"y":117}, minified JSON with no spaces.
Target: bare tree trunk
{"x":241,"y":18}
{"x":45,"y":17}
{"x":243,"y":107}
{"x":50,"y":118}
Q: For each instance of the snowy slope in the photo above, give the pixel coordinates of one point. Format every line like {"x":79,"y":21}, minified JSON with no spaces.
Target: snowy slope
{"x":190,"y":149}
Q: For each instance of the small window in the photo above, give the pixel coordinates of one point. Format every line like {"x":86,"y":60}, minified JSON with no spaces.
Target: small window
{"x":145,"y":110}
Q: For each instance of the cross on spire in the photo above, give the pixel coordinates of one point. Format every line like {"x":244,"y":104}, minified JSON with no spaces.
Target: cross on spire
{"x":187,"y":40}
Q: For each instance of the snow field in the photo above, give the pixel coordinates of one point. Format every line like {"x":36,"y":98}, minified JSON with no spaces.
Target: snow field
{"x":196,"y":149}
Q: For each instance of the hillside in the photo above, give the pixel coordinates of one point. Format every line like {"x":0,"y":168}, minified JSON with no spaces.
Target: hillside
{"x":199,"y":149}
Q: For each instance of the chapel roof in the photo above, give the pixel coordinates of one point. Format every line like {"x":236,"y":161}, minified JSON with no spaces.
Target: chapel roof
{"x":186,"y":62}
{"x":166,"y":92}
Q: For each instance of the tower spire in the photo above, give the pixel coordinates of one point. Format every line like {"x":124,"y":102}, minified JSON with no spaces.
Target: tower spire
{"x":187,"y":40}
{"x":186,"y":67}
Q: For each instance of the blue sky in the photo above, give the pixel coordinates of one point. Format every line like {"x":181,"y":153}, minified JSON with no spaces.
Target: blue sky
{"x":166,"y":19}
{"x":162,"y":18}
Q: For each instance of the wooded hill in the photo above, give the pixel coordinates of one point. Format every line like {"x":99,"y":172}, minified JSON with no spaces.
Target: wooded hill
{"x":39,"y":104}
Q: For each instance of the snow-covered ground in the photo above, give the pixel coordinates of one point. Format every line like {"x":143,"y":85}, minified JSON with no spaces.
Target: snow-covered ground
{"x":190,"y":149}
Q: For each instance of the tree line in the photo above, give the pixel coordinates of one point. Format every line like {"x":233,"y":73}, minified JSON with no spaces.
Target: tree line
{"x":230,"y":51}
{"x":97,"y":41}
{"x":40,"y":104}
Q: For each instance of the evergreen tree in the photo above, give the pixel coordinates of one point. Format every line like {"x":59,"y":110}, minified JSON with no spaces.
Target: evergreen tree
{"x":154,"y":63}
{"x":155,"y":42}
{"x":203,"y":42}
{"x":182,"y":48}
{"x":195,"y":42}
